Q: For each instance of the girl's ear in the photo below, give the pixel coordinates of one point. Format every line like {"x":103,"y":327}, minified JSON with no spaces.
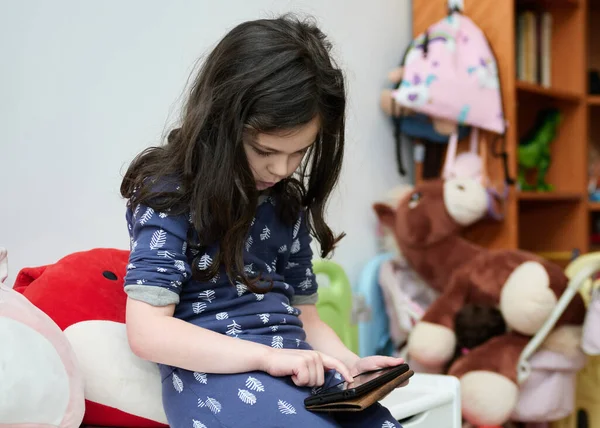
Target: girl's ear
{"x":386,"y":214}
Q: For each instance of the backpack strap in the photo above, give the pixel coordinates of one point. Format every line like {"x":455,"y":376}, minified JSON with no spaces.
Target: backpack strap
{"x":450,"y":162}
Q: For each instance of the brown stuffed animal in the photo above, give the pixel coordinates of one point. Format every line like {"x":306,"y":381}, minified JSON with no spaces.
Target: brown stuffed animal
{"x":522,"y":286}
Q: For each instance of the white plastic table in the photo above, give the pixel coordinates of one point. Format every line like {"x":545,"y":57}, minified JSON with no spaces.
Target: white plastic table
{"x":428,"y":401}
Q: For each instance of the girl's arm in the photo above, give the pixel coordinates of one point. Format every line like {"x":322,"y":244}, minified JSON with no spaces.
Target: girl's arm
{"x":322,"y":338}
{"x":156,"y":336}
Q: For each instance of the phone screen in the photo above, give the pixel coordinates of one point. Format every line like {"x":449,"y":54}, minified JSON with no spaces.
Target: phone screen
{"x":359,"y":380}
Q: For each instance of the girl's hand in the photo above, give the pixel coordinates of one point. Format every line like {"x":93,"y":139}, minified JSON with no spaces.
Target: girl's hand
{"x":375,"y":362}
{"x":307,"y":368}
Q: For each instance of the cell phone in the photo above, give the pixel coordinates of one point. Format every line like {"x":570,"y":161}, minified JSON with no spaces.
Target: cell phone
{"x":362,"y":384}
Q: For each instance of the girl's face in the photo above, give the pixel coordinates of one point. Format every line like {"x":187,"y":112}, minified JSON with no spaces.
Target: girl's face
{"x":275,"y":156}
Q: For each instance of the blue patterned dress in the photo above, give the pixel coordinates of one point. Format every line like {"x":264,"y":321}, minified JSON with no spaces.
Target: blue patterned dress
{"x":163,"y":247}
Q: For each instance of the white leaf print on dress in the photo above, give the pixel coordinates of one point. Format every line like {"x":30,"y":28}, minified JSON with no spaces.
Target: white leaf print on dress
{"x":277,"y":342}
{"x":295,"y":246}
{"x":290,"y":309}
{"x":207,"y":295}
{"x":222,"y":316}
{"x":241,"y":289}
{"x":337,"y":376}
{"x":204,"y":262}
{"x":201,"y":403}
{"x":234,"y":329}
{"x":130,"y":266}
{"x":249,"y":243}
{"x":254,"y":384}
{"x":215,"y":278}
{"x":282,"y":249}
{"x":253,"y":220}
{"x":140,"y":282}
{"x":184,"y":247}
{"x":161,"y":269}
{"x":177,"y":383}
{"x":246,"y":396}
{"x":264,"y":318}
{"x":297,"y":343}
{"x":274,"y":264}
{"x":274,"y":328}
{"x":201,"y":377}
{"x":213,"y":405}
{"x":165,"y":254}
{"x":291,"y":265}
{"x":158,"y":240}
{"x":198,"y":307}
{"x":146,"y":216}
{"x":306,"y":284}
{"x":180,"y":265}
{"x":297,"y":228}
{"x":163,"y":215}
{"x":249,"y":268}
{"x":266,"y":234}
{"x":286,"y":408}
{"x":268,"y":268}
{"x":134,"y":245}
{"x":137,"y":210}
{"x":198,"y":424}
{"x":388,"y":424}
{"x":259,"y":297}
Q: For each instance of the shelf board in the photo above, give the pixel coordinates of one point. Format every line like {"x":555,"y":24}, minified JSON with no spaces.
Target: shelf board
{"x":549,"y":196}
{"x":593,"y":100}
{"x":594,"y":206}
{"x":547,"y":3}
{"x":558,"y":94}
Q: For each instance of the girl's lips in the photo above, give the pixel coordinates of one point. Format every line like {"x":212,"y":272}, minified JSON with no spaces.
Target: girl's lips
{"x":264,"y":184}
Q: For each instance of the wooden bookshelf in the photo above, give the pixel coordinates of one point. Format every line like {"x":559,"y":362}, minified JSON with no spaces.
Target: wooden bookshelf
{"x":554,"y":224}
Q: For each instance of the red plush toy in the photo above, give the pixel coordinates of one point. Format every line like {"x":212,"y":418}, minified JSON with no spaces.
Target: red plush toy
{"x":83,"y":294}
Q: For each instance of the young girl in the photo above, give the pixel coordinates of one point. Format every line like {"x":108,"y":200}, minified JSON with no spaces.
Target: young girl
{"x":221,"y":292}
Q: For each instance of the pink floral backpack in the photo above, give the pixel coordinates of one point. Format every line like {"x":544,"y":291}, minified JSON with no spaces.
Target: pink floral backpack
{"x":450,"y":72}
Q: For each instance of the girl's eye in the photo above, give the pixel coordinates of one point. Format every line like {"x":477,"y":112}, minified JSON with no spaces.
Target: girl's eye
{"x":260,"y":152}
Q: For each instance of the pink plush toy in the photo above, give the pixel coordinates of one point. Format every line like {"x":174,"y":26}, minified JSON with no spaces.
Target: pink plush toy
{"x":41,"y":384}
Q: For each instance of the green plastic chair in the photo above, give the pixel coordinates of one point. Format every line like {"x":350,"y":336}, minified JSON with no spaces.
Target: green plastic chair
{"x":335,"y":302}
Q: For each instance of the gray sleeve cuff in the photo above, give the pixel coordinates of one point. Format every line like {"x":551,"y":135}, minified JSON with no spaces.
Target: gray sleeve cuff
{"x":300,"y":299}
{"x":151,"y":294}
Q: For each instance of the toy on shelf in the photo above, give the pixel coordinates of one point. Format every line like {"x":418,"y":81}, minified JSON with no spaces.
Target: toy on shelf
{"x":534,"y":150}
{"x":524,"y":287}
{"x":40,"y":382}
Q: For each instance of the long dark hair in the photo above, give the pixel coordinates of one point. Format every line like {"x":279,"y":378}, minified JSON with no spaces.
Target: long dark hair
{"x":269,"y":75}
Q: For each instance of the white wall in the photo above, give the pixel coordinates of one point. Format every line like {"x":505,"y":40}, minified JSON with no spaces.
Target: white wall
{"x":85,"y":85}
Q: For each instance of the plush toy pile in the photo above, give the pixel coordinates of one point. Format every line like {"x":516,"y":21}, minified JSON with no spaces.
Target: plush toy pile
{"x":72,"y":313}
{"x":491,"y":302}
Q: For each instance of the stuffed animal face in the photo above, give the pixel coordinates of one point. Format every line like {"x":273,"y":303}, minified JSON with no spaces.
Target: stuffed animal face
{"x":434,"y":210}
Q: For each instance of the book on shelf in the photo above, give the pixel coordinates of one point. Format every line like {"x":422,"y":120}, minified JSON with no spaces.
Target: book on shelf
{"x":534,"y":47}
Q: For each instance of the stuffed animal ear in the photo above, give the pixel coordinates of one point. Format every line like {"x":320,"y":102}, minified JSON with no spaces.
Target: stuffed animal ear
{"x":26,"y":276}
{"x":386,"y":214}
